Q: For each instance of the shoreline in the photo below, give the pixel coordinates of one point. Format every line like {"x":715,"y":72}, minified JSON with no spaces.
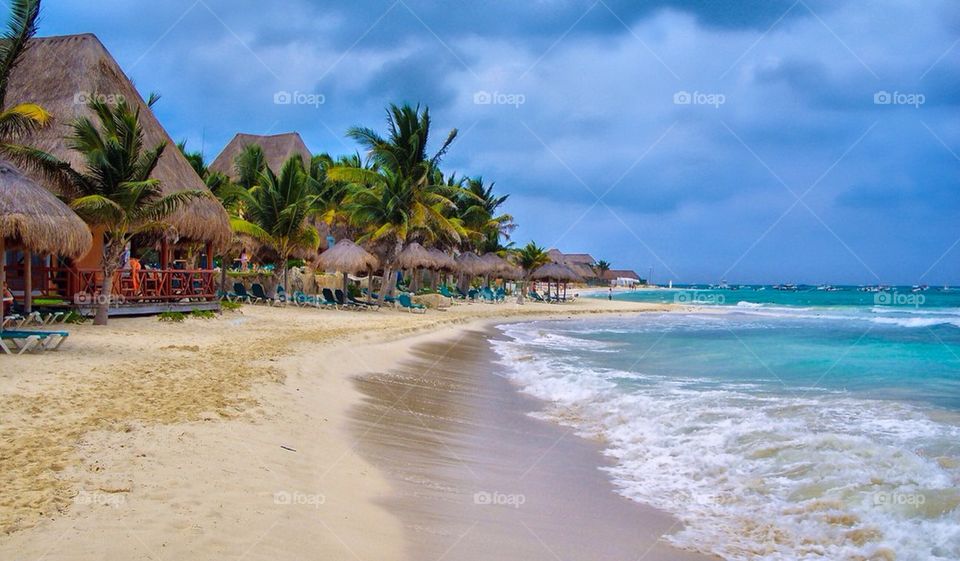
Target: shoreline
{"x":475,"y":476}
{"x":189,"y":449}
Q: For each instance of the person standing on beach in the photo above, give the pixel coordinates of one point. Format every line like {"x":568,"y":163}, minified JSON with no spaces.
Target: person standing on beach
{"x":610,"y":294}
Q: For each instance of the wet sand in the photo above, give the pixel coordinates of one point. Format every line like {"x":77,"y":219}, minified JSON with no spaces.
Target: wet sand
{"x":475,"y":477}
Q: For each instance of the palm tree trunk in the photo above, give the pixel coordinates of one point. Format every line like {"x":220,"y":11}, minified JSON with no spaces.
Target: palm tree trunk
{"x":223,"y":273}
{"x":106,"y":293}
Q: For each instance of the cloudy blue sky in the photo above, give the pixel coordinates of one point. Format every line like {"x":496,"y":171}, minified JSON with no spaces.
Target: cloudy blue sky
{"x":753,"y":140}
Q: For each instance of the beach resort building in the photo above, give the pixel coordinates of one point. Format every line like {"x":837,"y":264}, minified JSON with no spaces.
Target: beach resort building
{"x":623,"y":277}
{"x":175,"y":269}
{"x":277,"y":148}
{"x":582,"y":263}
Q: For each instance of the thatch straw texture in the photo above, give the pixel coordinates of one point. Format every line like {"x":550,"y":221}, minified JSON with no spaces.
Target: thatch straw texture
{"x":62,"y":74}
{"x":277,"y":149}
{"x":471,"y":264}
{"x":556,"y":272}
{"x":442,"y":261}
{"x":495,"y":264}
{"x":347,"y":257}
{"x":31,"y":217}
{"x":414,"y":256}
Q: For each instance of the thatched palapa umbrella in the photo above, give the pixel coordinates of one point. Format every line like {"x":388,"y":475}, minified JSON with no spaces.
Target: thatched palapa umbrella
{"x":470,"y":265}
{"x":32,"y":218}
{"x":415,"y":257}
{"x":442,"y":263}
{"x":347,"y":257}
{"x":558,"y":273}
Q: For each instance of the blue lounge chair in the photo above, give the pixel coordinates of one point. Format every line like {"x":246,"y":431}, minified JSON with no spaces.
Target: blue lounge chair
{"x":281,"y":297}
{"x":259,"y":295}
{"x":410,"y":305}
{"x":46,"y":340}
{"x":329,"y":299}
{"x":535,"y":296}
{"x":240,"y":293}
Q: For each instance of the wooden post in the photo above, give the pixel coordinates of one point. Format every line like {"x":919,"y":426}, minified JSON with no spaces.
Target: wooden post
{"x":27,"y":281}
{"x":209,"y":266}
{"x":164,"y":254}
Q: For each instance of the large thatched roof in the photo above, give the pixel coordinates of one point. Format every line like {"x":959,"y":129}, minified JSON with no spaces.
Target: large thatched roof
{"x":31,"y":217}
{"x":556,"y":272}
{"x":495,"y":264}
{"x":277,"y":149}
{"x":347,"y":257}
{"x":414,"y":256}
{"x":62,"y":74}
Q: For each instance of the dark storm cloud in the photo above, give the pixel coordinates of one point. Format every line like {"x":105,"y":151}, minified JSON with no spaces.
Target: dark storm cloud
{"x":698,"y":124}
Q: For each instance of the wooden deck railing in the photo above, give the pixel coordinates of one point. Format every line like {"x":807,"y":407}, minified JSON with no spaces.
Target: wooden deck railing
{"x":82,"y":286}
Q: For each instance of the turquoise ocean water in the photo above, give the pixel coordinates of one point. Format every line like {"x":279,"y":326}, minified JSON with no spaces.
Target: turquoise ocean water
{"x":775,"y":424}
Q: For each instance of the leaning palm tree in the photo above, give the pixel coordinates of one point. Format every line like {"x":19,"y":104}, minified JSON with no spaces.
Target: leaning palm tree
{"x":113,"y":191}
{"x":277,"y":211}
{"x":530,"y":258}
{"x":22,"y":118}
{"x":477,"y":207}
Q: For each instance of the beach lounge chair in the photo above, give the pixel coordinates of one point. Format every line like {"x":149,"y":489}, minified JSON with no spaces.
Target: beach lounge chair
{"x":281,"y":297}
{"x":28,"y":340}
{"x":240,"y":293}
{"x":533,"y":294}
{"x":301,"y":299}
{"x":22,"y":343}
{"x":410,"y":305}
{"x":329,"y":299}
{"x":259,"y":295}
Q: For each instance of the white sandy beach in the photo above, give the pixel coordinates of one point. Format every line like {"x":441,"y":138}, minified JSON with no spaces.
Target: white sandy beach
{"x":212,"y":439}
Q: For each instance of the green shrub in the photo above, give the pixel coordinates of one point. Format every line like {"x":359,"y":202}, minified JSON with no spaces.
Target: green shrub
{"x":230,"y":306}
{"x":174,"y":317}
{"x":203,"y":314}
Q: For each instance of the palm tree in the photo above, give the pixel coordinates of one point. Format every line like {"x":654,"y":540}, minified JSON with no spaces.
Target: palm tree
{"x":399,"y":200}
{"x":114,"y":190}
{"x":22,"y":118}
{"x":477,"y":206}
{"x":530,"y":258}
{"x":600,"y":268}
{"x":250,"y":164}
{"x":276,"y":211}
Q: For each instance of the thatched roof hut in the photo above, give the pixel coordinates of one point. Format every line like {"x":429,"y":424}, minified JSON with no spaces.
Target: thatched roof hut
{"x":443,"y":261}
{"x":470,"y":264}
{"x":62,"y":74}
{"x":347,"y":257}
{"x":415,"y":256}
{"x":556,"y":272}
{"x":277,"y":149}
{"x":32,"y":218}
{"x":495,"y":264}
